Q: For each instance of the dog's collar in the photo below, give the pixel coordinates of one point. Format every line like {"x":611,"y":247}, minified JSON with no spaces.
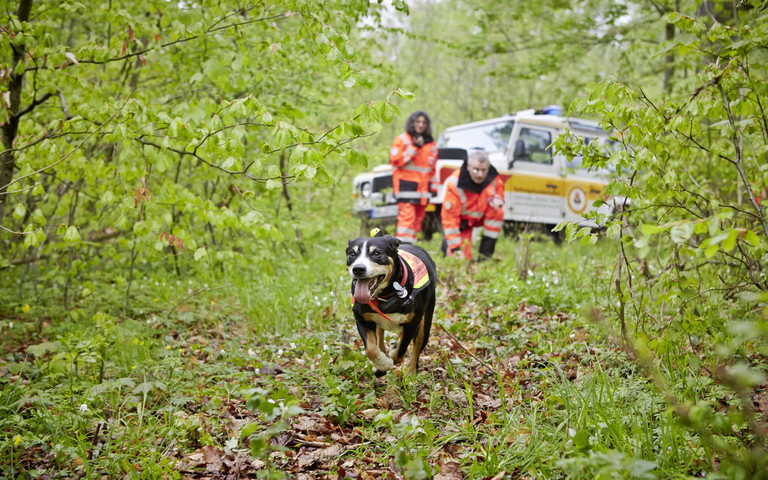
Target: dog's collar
{"x":402,"y":282}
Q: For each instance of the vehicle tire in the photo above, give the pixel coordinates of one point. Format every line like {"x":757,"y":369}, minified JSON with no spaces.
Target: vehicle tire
{"x":556,"y":237}
{"x":513,"y":229}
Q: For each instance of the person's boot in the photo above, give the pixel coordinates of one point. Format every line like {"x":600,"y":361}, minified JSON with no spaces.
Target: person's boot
{"x":487,"y":247}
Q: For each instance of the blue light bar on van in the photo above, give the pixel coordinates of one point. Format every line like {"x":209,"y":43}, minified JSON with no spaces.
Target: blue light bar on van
{"x":552,"y":110}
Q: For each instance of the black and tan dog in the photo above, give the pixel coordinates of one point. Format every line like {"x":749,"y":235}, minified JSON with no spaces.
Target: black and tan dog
{"x":394,"y":290}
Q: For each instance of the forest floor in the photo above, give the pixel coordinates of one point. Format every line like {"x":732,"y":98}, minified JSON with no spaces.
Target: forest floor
{"x":519,"y":380}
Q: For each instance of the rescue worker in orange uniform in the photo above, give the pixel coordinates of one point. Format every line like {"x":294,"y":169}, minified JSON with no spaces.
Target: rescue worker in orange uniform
{"x":414,"y":157}
{"x":474,"y":197}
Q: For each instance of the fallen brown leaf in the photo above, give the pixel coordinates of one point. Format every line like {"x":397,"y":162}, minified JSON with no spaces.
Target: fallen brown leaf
{"x":308,"y":458}
{"x":449,"y":470}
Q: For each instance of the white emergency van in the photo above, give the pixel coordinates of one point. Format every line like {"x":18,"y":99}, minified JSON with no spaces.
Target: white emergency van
{"x":541,"y":186}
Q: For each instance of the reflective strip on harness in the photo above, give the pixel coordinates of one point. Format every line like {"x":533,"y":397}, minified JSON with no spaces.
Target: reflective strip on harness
{"x":420,"y":273}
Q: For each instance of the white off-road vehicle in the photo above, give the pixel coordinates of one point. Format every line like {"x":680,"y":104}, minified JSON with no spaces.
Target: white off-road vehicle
{"x":541,"y":186}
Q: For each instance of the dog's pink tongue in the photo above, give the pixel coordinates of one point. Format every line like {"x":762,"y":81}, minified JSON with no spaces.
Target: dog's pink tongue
{"x":362,"y":294}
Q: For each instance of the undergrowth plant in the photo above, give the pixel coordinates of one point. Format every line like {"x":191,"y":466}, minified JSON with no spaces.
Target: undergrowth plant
{"x":688,"y":294}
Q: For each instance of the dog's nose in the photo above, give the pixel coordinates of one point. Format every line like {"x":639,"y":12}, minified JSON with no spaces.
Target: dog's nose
{"x":358,"y":270}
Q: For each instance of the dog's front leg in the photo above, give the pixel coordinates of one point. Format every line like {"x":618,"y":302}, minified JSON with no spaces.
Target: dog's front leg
{"x":368,"y":332}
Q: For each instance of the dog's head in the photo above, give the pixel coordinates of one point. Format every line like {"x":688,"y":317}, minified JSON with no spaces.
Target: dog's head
{"x":370,"y":261}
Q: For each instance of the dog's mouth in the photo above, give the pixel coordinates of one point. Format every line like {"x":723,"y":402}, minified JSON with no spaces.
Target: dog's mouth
{"x":364,"y":288}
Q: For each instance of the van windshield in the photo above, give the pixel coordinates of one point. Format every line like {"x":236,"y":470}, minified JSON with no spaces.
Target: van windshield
{"x":491,"y":137}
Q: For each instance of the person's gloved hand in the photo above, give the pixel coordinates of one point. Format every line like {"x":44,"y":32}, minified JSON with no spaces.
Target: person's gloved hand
{"x":495,"y":202}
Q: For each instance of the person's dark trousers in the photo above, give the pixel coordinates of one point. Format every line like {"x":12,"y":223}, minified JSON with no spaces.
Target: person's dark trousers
{"x":487,"y":247}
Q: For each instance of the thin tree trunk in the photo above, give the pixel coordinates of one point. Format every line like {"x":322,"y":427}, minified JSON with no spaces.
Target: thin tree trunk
{"x":669,"y":60}
{"x":289,"y":203}
{"x":11,"y":127}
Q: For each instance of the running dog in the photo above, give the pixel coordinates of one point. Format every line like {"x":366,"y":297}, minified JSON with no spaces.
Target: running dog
{"x":393,"y":288}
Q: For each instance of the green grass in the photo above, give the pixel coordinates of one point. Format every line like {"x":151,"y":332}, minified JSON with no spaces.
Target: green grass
{"x":261,"y":373}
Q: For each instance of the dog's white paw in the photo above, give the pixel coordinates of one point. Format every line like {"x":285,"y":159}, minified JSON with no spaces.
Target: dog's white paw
{"x":383,"y":362}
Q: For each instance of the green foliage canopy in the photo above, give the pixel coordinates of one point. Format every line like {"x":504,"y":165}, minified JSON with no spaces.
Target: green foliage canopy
{"x":172,"y":127}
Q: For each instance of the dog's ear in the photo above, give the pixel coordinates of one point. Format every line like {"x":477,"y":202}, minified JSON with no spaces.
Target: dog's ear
{"x":392,"y":244}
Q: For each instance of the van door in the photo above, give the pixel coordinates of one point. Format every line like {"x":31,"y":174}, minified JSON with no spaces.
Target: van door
{"x":535,"y":186}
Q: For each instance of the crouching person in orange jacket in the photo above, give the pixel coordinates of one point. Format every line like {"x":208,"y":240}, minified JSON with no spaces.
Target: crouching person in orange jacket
{"x":413,"y":156}
{"x":474,"y":197}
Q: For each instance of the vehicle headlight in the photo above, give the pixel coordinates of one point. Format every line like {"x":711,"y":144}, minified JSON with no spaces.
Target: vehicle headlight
{"x":365,"y":189}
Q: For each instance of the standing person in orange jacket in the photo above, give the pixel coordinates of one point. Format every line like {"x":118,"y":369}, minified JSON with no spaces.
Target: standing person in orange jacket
{"x":474,"y":197}
{"x":414,"y":181}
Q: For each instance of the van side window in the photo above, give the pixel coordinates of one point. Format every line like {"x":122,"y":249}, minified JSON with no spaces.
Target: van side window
{"x":491,"y":137}
{"x":533,"y":146}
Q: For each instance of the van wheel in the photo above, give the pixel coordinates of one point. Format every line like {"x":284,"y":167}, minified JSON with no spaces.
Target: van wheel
{"x":557,"y":237}
{"x":513,"y":229}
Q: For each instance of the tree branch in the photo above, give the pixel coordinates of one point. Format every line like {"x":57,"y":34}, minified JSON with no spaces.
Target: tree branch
{"x":34,"y":104}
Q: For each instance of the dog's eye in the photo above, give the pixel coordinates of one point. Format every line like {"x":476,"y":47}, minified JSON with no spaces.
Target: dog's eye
{"x":375,"y":253}
{"x":351,"y":253}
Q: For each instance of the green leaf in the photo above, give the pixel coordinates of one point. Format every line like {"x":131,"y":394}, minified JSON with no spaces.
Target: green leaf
{"x":19,"y":211}
{"x":231,"y":163}
{"x":249,"y":429}
{"x":682,"y":233}
{"x":355,"y":129}
{"x":38,"y":217}
{"x":71,"y":234}
{"x":614,"y":231}
{"x":140,"y":229}
{"x":200,"y":253}
{"x":730,"y":241}
{"x":752,"y":238}
{"x":35,"y":238}
{"x":405,"y":94}
{"x":401,"y":6}
{"x":388,"y":113}
{"x":356,"y":158}
{"x":273,"y":184}
{"x":323,"y":177}
{"x":41,"y":349}
{"x":648,"y":229}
